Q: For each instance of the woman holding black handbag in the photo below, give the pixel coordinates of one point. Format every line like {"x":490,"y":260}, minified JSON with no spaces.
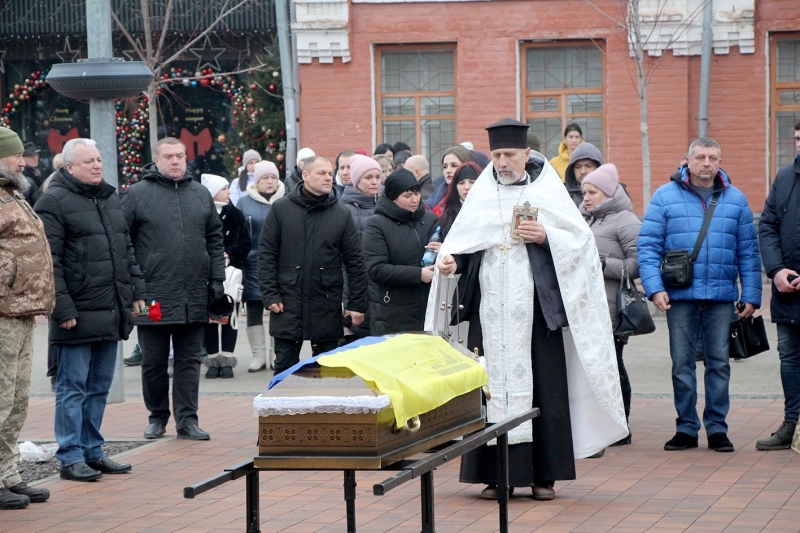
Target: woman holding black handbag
{"x":608,"y":210}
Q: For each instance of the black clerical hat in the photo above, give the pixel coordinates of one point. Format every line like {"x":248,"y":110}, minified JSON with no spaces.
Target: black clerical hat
{"x":508,"y":133}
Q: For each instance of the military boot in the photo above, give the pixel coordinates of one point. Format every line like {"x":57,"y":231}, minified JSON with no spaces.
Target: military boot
{"x":9,"y":500}
{"x":780,"y":440}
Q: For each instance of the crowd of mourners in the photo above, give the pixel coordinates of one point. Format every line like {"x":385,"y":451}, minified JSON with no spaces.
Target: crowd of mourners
{"x":337,"y":250}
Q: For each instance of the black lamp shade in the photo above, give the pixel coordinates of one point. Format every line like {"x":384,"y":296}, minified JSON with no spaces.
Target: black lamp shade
{"x":109,"y":79}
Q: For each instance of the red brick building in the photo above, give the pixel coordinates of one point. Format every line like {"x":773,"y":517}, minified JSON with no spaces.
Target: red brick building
{"x":434,"y":74}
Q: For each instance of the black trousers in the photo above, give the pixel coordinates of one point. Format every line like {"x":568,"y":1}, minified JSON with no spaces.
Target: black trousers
{"x":624,"y":381}
{"x":287,"y":351}
{"x":187,"y":340}
{"x":229,"y":335}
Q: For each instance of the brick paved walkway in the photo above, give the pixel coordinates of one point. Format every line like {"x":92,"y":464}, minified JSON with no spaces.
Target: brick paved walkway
{"x":633,"y":488}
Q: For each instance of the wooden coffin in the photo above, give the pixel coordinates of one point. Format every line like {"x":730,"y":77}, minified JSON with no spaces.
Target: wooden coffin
{"x":320,"y":441}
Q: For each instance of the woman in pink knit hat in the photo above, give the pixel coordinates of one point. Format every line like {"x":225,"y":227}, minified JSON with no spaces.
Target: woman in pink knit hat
{"x":360,"y":198}
{"x":608,"y":210}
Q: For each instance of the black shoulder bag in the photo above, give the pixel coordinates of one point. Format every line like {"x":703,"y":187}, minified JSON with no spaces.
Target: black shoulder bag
{"x":677,"y":266}
{"x":633,"y":316}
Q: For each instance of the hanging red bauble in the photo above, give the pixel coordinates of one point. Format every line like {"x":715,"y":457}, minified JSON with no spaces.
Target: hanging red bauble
{"x":282,"y":133}
{"x":238,"y":159}
{"x":272,"y":87}
{"x":204,"y":82}
{"x":272,"y":145}
{"x":253,"y":86}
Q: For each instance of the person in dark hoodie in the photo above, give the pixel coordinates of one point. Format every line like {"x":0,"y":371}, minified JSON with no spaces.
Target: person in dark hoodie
{"x":306,"y":239}
{"x":236,"y":239}
{"x":585,"y":158}
{"x":99,"y":286}
{"x":394,"y":242}
{"x":177,"y":236}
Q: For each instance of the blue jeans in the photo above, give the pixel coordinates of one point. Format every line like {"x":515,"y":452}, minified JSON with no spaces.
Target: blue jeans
{"x":84,"y":376}
{"x":711,"y":321}
{"x":789,"y":352}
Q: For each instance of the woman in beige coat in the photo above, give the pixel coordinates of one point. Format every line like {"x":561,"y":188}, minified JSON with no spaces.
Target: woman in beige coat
{"x":609,"y":212}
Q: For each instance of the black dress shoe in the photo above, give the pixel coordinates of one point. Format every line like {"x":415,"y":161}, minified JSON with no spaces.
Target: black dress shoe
{"x":34,"y":494}
{"x":80,"y":472}
{"x":107,"y":466}
{"x":681,"y":441}
{"x":193,"y":433}
{"x":155,"y":431}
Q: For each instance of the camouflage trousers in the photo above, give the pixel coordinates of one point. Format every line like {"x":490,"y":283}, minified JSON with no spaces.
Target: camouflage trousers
{"x":16,"y":352}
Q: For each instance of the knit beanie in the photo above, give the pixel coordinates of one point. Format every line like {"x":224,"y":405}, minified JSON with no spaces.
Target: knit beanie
{"x":605,"y":178}
{"x":304,"y":154}
{"x":263,"y":168}
{"x":213,"y":183}
{"x":249,"y":156}
{"x":533,"y":142}
{"x":10,"y":144}
{"x":359,"y":165}
{"x":398,"y":182}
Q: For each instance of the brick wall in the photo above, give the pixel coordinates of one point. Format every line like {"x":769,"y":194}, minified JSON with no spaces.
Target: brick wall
{"x":336,"y":100}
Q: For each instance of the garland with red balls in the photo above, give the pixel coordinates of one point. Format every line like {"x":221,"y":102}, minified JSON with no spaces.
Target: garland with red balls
{"x":22,"y":93}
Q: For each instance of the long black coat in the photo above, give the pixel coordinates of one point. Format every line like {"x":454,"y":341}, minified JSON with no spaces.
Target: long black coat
{"x":779,"y":237}
{"x":96,"y":274}
{"x":236,"y":235}
{"x":300,"y":255}
{"x":177,"y":235}
{"x":394,"y":243}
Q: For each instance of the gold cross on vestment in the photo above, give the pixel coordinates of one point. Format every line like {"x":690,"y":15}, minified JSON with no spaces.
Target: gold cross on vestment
{"x":505,"y":247}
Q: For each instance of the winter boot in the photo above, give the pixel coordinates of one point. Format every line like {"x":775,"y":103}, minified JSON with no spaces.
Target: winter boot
{"x":271,"y":355}
{"x":9,"y":500}
{"x":212,"y":363}
{"x":258,"y":344}
{"x":226,"y":363}
{"x":135,"y":359}
{"x":780,"y":440}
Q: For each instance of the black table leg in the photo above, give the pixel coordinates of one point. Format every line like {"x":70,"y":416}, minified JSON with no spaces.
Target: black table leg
{"x":251,"y":503}
{"x":502,"y":483}
{"x":426,"y":489}
{"x":350,"y":499}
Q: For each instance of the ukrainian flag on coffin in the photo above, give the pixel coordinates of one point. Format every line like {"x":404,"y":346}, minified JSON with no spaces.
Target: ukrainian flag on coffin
{"x":418,"y":372}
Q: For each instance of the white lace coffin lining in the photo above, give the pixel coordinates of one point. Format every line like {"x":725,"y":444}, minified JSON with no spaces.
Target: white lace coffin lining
{"x":351,"y":405}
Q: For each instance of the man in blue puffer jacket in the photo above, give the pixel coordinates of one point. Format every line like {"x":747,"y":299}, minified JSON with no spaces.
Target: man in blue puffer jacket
{"x":729,"y":253}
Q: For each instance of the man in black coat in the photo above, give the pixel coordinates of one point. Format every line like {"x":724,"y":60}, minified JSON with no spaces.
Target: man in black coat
{"x":98,"y":287}
{"x":779,"y":236}
{"x":306,"y":238}
{"x":177,"y":235}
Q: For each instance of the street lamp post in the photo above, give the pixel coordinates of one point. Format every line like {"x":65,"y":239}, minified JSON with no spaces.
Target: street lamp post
{"x":102,"y":78}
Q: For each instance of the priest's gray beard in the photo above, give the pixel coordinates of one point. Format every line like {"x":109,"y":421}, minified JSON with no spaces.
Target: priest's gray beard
{"x":508,"y":177}
{"x":17,"y":178}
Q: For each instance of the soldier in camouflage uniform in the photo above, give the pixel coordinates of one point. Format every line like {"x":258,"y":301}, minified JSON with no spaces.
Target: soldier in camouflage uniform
{"x":26,"y":290}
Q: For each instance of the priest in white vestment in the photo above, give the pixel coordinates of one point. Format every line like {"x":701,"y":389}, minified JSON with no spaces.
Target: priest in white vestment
{"x":545,"y":331}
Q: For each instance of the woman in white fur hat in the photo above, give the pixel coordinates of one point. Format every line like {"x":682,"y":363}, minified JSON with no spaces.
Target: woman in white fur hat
{"x":237,"y":244}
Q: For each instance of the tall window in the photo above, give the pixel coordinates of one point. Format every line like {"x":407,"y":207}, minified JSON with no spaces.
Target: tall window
{"x":562,"y":85}
{"x":785,"y":98}
{"x":417,"y":99}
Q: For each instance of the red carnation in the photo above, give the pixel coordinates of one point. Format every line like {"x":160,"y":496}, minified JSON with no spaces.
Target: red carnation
{"x":155,"y":312}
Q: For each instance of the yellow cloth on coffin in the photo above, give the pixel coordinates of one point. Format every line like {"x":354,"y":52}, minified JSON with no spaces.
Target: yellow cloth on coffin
{"x":418,"y":372}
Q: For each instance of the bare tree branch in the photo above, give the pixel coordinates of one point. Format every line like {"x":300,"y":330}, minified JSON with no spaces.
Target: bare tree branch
{"x":609,"y":17}
{"x":164,"y":27}
{"x":130,"y":38}
{"x":148,"y":34}
{"x":208,"y":30}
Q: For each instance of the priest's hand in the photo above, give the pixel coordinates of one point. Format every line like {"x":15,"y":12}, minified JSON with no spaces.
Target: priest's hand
{"x":357,"y":317}
{"x":447,"y":265}
{"x":532,"y":231}
{"x":661,"y":300}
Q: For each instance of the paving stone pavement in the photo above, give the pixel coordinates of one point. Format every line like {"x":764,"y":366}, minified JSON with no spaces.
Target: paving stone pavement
{"x":632,"y":488}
